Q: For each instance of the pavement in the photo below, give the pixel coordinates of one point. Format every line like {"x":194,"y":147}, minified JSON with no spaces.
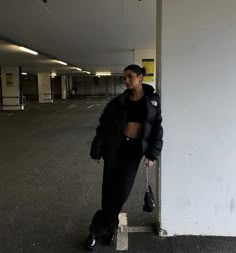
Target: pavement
{"x":50,"y":188}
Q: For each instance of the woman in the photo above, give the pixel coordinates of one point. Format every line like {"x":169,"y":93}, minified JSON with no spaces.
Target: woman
{"x":130,"y":128}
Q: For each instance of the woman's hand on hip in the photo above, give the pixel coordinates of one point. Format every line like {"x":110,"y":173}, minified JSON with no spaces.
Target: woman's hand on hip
{"x":148,"y":162}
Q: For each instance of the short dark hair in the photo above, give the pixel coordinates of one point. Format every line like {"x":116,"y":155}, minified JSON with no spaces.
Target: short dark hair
{"x":136,"y":69}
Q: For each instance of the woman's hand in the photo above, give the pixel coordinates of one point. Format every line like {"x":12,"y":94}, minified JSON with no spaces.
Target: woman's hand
{"x":148,"y":162}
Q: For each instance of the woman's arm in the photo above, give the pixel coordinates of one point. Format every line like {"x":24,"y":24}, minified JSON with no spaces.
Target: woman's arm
{"x":155,"y":141}
{"x":98,"y":140}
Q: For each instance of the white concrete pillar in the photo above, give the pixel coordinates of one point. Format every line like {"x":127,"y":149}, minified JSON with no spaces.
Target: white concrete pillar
{"x":140,"y":55}
{"x":198,"y":107}
{"x":157,"y":87}
{"x":44,"y":87}
{"x":12,"y":97}
{"x":64,"y":87}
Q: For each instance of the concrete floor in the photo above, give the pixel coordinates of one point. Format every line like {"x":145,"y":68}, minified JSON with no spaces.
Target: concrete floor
{"x":50,"y":188}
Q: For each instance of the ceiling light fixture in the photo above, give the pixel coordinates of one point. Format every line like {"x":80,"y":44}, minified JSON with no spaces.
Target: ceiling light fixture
{"x":61,"y":62}
{"x":78,"y":69}
{"x":24,"y":73}
{"x":28,"y":50}
{"x":103,"y":73}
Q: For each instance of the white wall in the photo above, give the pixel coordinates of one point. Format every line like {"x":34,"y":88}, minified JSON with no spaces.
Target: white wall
{"x":140,"y":54}
{"x":199,"y":111}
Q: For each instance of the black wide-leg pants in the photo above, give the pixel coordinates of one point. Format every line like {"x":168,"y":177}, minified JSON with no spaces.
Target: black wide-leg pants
{"x":118,"y":180}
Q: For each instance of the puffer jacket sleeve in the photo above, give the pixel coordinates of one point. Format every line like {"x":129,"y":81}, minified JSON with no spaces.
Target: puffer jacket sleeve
{"x":156,"y":137}
{"x":98,"y":140}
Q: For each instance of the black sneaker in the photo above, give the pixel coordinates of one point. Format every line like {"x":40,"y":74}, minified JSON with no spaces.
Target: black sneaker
{"x":91,"y":241}
{"x":109,"y":238}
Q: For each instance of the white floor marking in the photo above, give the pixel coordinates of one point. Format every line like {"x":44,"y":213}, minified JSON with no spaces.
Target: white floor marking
{"x":6,"y":114}
{"x":141,"y":229}
{"x":90,"y":106}
{"x":122,"y":236}
{"x":71,"y":106}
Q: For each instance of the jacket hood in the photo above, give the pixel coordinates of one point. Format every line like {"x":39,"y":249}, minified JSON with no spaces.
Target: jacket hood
{"x":148,"y":89}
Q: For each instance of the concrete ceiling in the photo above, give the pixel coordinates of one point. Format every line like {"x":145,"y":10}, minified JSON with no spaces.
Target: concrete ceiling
{"x":95,"y":35}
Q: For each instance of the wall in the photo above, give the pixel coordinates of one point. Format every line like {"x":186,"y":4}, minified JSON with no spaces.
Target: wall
{"x":56,"y":87}
{"x":29,"y":86}
{"x":199,"y":108}
{"x":88,"y":85}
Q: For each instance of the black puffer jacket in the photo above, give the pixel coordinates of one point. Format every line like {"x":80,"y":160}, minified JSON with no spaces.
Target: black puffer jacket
{"x":113,"y":122}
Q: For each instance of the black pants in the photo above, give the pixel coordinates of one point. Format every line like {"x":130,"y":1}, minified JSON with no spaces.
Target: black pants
{"x":118,"y":180}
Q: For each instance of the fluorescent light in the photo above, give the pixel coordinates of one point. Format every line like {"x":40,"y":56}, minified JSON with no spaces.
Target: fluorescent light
{"x":61,"y":62}
{"x":24,"y":73}
{"x":103,"y":73}
{"x":88,"y":72}
{"x":28,"y":50}
{"x":78,"y":69}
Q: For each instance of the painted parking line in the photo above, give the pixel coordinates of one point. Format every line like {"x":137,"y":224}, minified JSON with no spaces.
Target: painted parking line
{"x":122,"y":236}
{"x":124,"y":230}
{"x":71,"y":106}
{"x":90,"y":106}
{"x":141,"y":229}
{"x":6,"y":114}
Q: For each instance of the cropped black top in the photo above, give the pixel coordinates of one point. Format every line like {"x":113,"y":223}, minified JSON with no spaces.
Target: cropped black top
{"x":136,"y":110}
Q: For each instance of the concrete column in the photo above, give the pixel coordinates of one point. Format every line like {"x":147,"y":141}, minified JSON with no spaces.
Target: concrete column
{"x":12,"y":97}
{"x":64,"y":87}
{"x":198,"y":107}
{"x":70,"y":83}
{"x":157,"y":87}
{"x":44,"y":87}
{"x":115,"y":83}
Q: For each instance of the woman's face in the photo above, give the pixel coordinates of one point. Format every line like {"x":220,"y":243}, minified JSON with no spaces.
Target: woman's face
{"x":131,"y":79}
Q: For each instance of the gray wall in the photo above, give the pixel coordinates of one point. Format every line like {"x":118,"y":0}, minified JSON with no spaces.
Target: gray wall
{"x":29,"y":86}
{"x":96,"y":86}
{"x":56,"y":87}
{"x":85,"y":85}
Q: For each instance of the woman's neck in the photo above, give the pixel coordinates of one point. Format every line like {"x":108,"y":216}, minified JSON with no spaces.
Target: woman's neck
{"x":137,"y":93}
